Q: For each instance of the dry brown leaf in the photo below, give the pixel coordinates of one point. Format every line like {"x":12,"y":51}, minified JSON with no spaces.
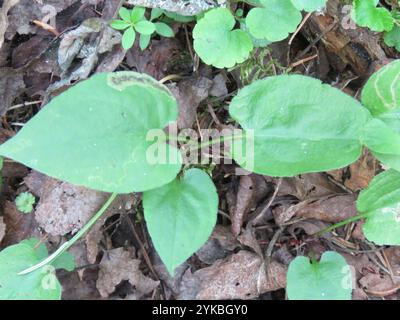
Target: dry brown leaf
{"x":240,"y":276}
{"x":2,"y":228}
{"x":119,"y":206}
{"x":252,"y":188}
{"x":380,"y":285}
{"x":190,"y":93}
{"x":187,"y":8}
{"x":156,"y":59}
{"x":220,"y":244}
{"x":330,"y":209}
{"x":118,"y":265}
{"x":64,"y":208}
{"x":18,"y":226}
{"x":7,"y":5}
{"x":11,"y":86}
{"x":35,"y":182}
{"x":305,"y":186}
{"x":359,"y":174}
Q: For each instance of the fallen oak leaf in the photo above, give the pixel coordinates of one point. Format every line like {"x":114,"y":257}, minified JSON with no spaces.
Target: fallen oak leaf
{"x":118,"y":265}
{"x":240,"y":276}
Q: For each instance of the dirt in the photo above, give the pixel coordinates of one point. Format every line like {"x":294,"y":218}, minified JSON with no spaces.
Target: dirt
{"x":263,"y":222}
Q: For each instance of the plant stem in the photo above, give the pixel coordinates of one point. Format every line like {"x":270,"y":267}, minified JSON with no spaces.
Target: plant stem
{"x":216,"y":140}
{"x":341,"y":223}
{"x":74,"y":239}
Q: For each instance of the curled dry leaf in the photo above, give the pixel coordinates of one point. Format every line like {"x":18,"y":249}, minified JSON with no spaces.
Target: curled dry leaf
{"x":359,"y":174}
{"x":64,"y":208}
{"x":220,"y":244}
{"x":329,"y":209}
{"x":19,"y":226}
{"x":155,"y":60}
{"x":380,"y":285}
{"x":7,"y":5}
{"x":240,"y":276}
{"x":118,"y":265}
{"x":11,"y":86}
{"x":186,"y":8}
{"x":190,"y":93}
{"x":252,"y":188}
{"x":2,"y":228}
{"x":119,"y":206}
{"x":305,"y":186}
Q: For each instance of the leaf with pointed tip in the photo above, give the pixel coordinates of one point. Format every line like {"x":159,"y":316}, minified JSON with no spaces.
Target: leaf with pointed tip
{"x":180,"y":216}
{"x":95,"y":135}
{"x":295,"y":124}
{"x":128,"y":38}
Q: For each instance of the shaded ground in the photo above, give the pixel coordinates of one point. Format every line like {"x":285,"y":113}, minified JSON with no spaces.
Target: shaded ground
{"x":263,"y":222}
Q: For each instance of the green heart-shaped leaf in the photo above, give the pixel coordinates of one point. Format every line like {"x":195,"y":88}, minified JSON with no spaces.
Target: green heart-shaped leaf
{"x":295,"y":124}
{"x":309,"y":5}
{"x":274,"y":21}
{"x":216,"y":43}
{"x":392,"y":38}
{"x":180,"y":216}
{"x":381,"y":202}
{"x":381,"y":96}
{"x":381,"y":93}
{"x":94,"y":134}
{"x":328,"y":279}
{"x":366,"y":14}
{"x":41,"y":284}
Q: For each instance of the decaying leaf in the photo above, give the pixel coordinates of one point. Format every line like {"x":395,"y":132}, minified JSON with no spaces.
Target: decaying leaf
{"x":118,"y":265}
{"x":2,"y":228}
{"x":252,"y":188}
{"x":7,"y":5}
{"x":359,"y":174}
{"x":240,"y":276}
{"x":11,"y":86}
{"x":329,"y":209}
{"x":220,"y":244}
{"x":119,"y":206}
{"x":189,"y":94}
{"x":305,"y":186}
{"x":19,"y":226}
{"x":64,"y":208}
{"x":187,"y":8}
{"x":380,"y":285}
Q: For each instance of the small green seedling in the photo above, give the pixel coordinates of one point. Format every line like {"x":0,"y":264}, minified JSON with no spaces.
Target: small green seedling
{"x":328,"y":279}
{"x":24,"y":202}
{"x":135,"y":21}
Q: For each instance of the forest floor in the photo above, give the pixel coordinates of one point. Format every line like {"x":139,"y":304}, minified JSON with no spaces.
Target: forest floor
{"x":260,"y":218}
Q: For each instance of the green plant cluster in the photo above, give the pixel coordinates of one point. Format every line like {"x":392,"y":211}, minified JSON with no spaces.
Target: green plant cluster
{"x":134,"y":21}
{"x":296,"y":124}
{"x":366,"y":13}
